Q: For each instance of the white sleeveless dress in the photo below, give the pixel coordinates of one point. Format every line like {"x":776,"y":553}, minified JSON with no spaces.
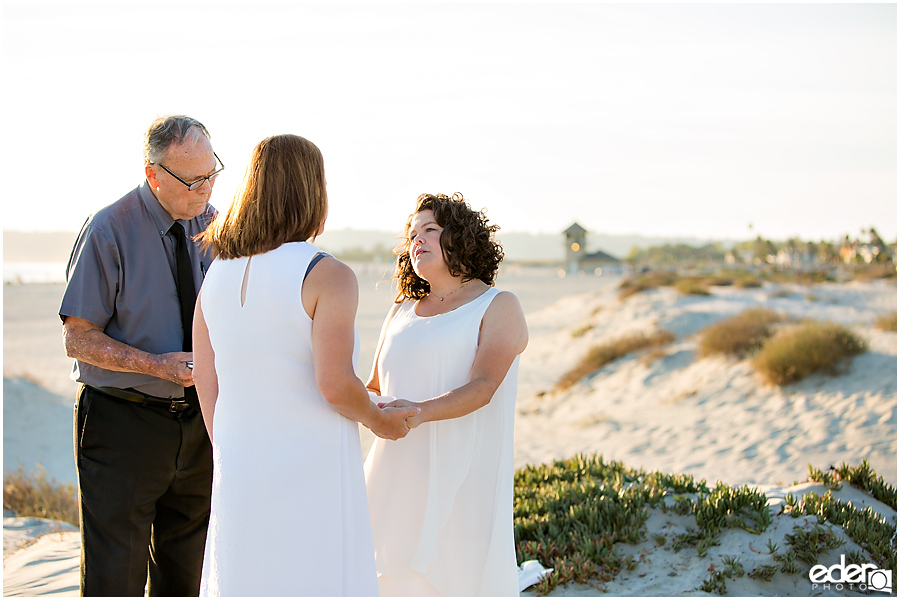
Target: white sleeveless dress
{"x":289,"y":512}
{"x":441,"y":499}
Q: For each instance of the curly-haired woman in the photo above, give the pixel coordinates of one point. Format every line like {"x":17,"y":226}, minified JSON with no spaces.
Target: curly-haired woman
{"x":441,"y":499}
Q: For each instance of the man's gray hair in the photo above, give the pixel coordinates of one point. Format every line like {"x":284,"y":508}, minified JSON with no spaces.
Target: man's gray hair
{"x":168,"y":130}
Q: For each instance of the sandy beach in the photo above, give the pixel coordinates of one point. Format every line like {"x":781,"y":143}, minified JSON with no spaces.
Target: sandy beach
{"x":712,"y":418}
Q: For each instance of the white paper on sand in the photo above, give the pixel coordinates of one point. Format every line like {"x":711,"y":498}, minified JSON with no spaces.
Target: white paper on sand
{"x":530,"y":573}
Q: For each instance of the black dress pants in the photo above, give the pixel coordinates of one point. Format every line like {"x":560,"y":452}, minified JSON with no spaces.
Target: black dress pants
{"x":145,"y":480}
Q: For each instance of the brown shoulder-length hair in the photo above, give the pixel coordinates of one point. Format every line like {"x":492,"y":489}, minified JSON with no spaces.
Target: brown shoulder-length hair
{"x":467,"y":242}
{"x":282,"y":199}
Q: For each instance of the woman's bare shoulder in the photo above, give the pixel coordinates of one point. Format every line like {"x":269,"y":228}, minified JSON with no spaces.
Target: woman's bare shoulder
{"x":506,"y":301}
{"x":332,"y":277}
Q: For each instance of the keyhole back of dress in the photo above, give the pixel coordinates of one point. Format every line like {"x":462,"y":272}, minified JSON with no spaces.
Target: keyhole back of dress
{"x":244,"y":282}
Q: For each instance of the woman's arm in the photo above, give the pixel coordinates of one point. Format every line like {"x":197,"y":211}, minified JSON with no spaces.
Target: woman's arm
{"x":503,"y":336}
{"x":205,"y":378}
{"x":330,"y":296}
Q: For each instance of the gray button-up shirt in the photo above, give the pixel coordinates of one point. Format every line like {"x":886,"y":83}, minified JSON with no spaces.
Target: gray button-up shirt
{"x":121,"y":277}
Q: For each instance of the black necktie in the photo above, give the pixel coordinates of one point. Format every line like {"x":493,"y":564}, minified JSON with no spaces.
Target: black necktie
{"x":187,"y":296}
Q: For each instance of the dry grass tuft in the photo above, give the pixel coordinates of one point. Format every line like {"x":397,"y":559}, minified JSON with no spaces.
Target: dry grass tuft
{"x":649,"y":281}
{"x":598,"y":356}
{"x":576,"y":333}
{"x":719,"y":280}
{"x":691,"y":286}
{"x":800,"y":277}
{"x":739,"y":335}
{"x":747,"y":281}
{"x":806,"y":349}
{"x":34,"y":495}
{"x":875,"y":271}
{"x":887,"y":322}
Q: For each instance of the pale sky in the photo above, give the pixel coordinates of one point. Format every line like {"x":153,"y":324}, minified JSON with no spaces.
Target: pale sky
{"x":663,"y":119}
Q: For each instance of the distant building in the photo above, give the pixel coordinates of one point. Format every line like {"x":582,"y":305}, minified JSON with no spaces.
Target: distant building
{"x":577,"y":258}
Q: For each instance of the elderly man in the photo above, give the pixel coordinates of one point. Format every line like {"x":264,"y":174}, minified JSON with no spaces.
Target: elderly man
{"x":143,"y":456}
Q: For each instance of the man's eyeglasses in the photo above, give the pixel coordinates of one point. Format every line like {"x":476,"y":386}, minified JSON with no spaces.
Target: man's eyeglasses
{"x":193,"y":185}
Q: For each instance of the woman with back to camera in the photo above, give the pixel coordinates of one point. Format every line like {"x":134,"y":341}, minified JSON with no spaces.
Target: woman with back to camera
{"x":441,"y":499}
{"x":274,"y":353}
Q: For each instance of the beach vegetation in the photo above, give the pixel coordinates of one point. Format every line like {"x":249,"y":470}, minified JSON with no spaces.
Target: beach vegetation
{"x":580,"y":331}
{"x":739,"y":335}
{"x":750,"y":262}
{"x":807,"y":543}
{"x":826,"y":478}
{"x":862,"y":476}
{"x":865,"y":478}
{"x":678,"y":254}
{"x":887,"y":322}
{"x":731,"y":569}
{"x":646,"y":281}
{"x":878,"y":270}
{"x":871,"y":531}
{"x":764,"y":572}
{"x":747,"y":281}
{"x":789,"y":563}
{"x":35,"y":494}
{"x":808,"y":348}
{"x":691,"y":286}
{"x":600,"y":355}
{"x":808,"y":277}
{"x":571,"y":514}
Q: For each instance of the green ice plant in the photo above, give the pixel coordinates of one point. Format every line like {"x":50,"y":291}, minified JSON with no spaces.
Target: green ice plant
{"x":572,"y":514}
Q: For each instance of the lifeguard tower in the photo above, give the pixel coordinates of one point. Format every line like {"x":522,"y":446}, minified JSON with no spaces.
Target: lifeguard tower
{"x":575,"y":247}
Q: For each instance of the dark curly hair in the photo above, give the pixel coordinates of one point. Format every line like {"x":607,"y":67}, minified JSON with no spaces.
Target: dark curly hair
{"x":467,"y":243}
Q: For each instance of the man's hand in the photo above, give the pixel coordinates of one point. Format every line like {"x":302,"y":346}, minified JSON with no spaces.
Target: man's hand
{"x":173,"y":367}
{"x":89,"y":343}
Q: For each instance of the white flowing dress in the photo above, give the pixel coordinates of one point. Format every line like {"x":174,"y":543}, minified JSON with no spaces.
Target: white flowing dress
{"x":441,"y":499}
{"x":289,"y":512}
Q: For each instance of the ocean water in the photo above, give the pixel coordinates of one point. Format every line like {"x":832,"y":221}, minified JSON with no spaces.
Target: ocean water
{"x":34,"y":272}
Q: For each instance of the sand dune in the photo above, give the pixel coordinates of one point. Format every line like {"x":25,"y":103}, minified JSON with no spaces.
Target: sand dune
{"x":713,"y":418}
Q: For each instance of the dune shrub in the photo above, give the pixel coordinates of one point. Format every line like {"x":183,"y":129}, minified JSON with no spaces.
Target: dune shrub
{"x":34,"y":495}
{"x":648,"y":281}
{"x":806,"y":349}
{"x":598,"y":356}
{"x":747,"y":281}
{"x":576,"y":333}
{"x":887,"y":322}
{"x":868,"y":272}
{"x":691,"y":286}
{"x":739,"y":335}
{"x":801,"y":277}
{"x":719,"y":280}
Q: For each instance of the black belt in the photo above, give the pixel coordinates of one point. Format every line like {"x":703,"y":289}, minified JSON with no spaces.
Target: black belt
{"x":175,"y":405}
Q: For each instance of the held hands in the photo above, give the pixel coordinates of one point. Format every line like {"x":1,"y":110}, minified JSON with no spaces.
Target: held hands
{"x":394,"y":422}
{"x":413,"y":420}
{"x":173,"y":367}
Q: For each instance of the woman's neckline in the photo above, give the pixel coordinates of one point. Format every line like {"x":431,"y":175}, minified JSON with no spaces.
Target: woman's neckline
{"x":476,"y":298}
